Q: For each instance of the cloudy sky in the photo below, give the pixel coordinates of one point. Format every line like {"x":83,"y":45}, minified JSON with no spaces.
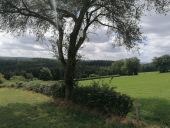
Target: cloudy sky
{"x":156,"y":29}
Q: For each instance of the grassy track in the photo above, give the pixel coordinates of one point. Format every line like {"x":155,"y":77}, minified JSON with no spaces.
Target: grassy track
{"x":23,"y":109}
{"x":152,"y":90}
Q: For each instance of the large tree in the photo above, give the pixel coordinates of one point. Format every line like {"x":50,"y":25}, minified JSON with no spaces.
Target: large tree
{"x":69,"y":21}
{"x":162,"y":63}
{"x":133,"y":65}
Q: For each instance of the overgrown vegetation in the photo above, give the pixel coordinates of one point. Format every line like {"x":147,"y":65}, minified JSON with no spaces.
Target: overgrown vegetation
{"x":2,"y":79}
{"x":162,"y":63}
{"x":103,"y":98}
{"x":129,"y":66}
{"x":45,"y":74}
{"x":96,"y":96}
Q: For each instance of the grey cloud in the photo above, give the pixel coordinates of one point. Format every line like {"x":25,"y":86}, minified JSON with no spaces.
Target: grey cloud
{"x":156,"y":24}
{"x":99,"y":35}
{"x":25,"y":46}
{"x":27,"y":43}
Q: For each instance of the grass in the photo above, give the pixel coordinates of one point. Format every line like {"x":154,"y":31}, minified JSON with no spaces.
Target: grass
{"x":23,"y":109}
{"x":152,"y":90}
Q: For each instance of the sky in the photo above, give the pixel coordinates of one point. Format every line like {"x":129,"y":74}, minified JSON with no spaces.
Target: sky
{"x":156,"y":29}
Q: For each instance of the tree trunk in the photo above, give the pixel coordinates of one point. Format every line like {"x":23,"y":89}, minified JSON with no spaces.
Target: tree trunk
{"x":69,"y":77}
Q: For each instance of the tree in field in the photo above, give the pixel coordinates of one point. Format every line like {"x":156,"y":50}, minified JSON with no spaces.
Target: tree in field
{"x":162,"y":63}
{"x":133,"y":65}
{"x":68,"y":21}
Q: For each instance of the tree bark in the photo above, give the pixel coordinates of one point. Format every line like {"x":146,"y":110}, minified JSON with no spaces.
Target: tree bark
{"x":69,"y":77}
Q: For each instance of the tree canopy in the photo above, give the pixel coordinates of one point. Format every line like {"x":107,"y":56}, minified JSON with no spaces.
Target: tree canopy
{"x":162,"y":63}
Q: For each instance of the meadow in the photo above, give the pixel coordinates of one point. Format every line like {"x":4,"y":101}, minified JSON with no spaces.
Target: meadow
{"x":151,"y":90}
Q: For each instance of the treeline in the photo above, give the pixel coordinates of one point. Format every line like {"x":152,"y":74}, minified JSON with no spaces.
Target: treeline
{"x":47,"y":69}
{"x":51,"y":69}
{"x":162,"y":63}
{"x":26,"y":67}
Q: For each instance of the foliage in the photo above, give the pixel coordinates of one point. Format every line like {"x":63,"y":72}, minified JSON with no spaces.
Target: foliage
{"x":20,"y":66}
{"x":18,"y":78}
{"x":2,"y":79}
{"x":28,"y":76}
{"x":148,"y":67}
{"x":162,"y":63}
{"x":117,"y":67}
{"x":46,"y":88}
{"x":129,"y":66}
{"x":45,"y":74}
{"x":103,"y":98}
{"x":133,"y":65}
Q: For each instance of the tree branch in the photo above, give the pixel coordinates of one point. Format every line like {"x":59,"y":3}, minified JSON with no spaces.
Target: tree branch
{"x":67,"y":14}
{"x":103,"y":24}
{"x":27,"y":12}
{"x":60,"y":46}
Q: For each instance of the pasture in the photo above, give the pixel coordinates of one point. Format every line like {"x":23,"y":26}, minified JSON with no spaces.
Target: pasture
{"x":152,"y":90}
{"x":19,"y":108}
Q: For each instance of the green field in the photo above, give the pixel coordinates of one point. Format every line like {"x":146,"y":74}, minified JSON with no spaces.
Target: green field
{"x":23,"y":109}
{"x":152,"y":90}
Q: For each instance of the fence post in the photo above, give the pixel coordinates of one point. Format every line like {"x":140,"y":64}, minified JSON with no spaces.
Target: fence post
{"x":137,"y":110}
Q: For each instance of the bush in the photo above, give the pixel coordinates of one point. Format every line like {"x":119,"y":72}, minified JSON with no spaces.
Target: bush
{"x":47,"y":88}
{"x":38,"y":86}
{"x":2,"y":79}
{"x":58,"y":90}
{"x":18,"y":78}
{"x":45,"y":74}
{"x":28,"y":76}
{"x":103,"y":98}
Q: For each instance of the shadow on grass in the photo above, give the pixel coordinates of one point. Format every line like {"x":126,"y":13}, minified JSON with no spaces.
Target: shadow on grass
{"x":155,"y":110}
{"x":47,"y":115}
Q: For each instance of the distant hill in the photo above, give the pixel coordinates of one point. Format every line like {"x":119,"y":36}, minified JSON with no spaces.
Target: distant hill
{"x":15,"y":58}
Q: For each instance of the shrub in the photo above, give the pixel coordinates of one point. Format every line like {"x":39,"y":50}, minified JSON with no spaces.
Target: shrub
{"x":8,"y":75}
{"x":18,"y":78}
{"x":58,"y":90}
{"x":103,"y":98}
{"x":45,"y":74}
{"x":28,"y":76}
{"x":2,"y":79}
{"x":40,"y":87}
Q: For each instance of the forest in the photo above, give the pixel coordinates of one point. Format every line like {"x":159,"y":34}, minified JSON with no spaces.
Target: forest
{"x":33,"y":67}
